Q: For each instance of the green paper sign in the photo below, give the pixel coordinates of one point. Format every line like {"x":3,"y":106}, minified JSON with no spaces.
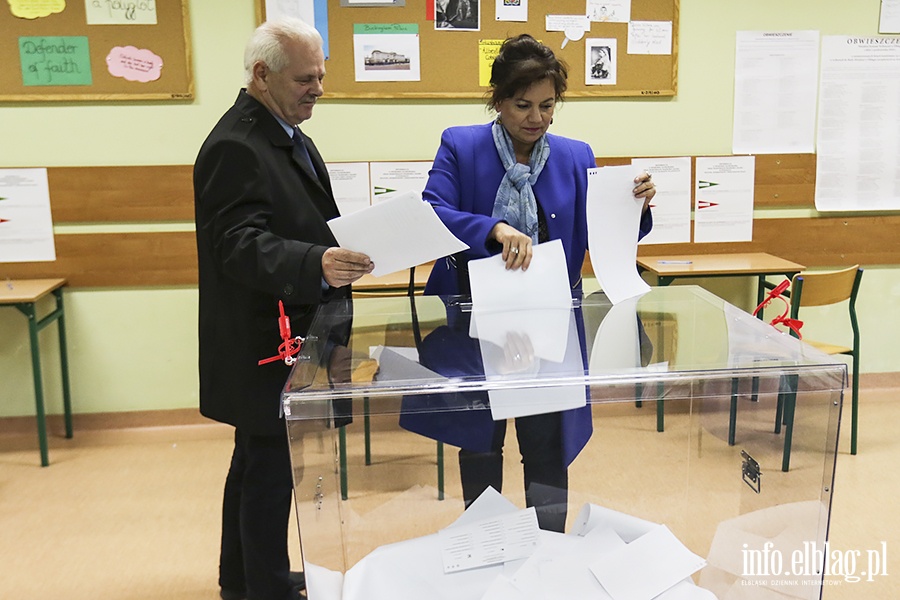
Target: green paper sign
{"x":385,"y":28}
{"x":55,"y":60}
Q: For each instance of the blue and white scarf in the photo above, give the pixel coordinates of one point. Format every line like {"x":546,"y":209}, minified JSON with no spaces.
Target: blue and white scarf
{"x":515,"y":202}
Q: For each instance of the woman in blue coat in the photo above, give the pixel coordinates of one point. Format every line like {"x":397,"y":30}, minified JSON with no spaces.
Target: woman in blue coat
{"x":501,"y":188}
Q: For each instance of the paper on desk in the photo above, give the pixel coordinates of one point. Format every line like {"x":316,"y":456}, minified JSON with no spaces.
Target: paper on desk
{"x":614,"y":218}
{"x":646,"y":567}
{"x":396,"y":233}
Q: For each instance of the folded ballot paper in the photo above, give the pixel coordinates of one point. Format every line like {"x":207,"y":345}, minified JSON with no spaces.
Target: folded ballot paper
{"x":495,"y":551}
{"x":399,"y":232}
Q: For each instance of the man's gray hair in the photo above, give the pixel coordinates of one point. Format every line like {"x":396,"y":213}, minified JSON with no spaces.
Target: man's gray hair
{"x":267,"y":43}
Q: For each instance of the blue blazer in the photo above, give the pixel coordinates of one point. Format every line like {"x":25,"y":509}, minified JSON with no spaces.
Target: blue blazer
{"x":462,"y":186}
{"x":463,"y":183}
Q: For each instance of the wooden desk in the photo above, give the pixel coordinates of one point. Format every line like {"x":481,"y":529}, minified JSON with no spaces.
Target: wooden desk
{"x":24,"y":295}
{"x":755,"y":264}
{"x":395,"y":284}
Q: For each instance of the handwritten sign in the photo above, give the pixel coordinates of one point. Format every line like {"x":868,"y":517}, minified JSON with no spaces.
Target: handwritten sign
{"x":55,"y":60}
{"x":650,"y":37}
{"x":133,"y":64}
{"x":120,"y":12}
{"x":35,"y":9}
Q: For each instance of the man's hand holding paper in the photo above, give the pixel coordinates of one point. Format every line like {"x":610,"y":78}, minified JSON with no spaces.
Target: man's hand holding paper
{"x":397,"y":233}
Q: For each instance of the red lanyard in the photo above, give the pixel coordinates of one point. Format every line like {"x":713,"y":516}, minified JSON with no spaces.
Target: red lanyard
{"x":289,"y":345}
{"x":792,"y":324}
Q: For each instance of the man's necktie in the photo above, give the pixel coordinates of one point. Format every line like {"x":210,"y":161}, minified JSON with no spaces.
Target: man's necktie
{"x":301,"y":148}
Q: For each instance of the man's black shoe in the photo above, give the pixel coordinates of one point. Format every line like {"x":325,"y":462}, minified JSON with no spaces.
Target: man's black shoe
{"x":298,"y":578}
{"x":298,"y":581}
{"x":226,"y":594}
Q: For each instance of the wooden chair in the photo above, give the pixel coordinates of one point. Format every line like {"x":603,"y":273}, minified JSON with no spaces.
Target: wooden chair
{"x":821,"y":289}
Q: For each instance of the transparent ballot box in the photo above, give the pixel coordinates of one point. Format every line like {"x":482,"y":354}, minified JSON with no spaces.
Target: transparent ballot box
{"x":670,"y":446}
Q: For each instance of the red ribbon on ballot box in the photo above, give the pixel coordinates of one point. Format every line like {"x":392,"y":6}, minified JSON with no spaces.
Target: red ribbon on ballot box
{"x":290,"y":346}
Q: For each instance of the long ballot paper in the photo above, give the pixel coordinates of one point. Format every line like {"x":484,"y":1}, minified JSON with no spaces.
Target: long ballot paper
{"x":614,"y":218}
{"x":396,"y":233}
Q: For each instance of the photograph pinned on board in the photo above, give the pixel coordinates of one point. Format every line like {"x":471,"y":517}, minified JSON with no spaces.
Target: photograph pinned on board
{"x":600,"y":61}
{"x":386,"y":51}
{"x":459,"y":15}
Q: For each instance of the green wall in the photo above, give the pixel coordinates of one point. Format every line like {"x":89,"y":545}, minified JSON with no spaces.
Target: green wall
{"x":135,"y":349}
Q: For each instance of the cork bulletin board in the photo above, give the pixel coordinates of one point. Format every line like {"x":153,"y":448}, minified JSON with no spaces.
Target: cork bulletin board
{"x":95,"y":50}
{"x":449,"y":57}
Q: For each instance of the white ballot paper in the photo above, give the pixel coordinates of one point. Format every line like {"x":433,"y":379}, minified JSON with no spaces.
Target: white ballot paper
{"x":526,"y":327}
{"x":531,"y":565}
{"x":544,"y":285}
{"x":510,"y":362}
{"x":396,"y":233}
{"x":614,"y":218}
{"x":646,"y":567}
{"x":533,"y":304}
{"x":593,"y":517}
{"x":490,"y":541}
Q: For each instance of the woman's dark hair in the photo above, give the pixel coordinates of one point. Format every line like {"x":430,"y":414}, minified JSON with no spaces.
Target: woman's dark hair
{"x":521,"y":62}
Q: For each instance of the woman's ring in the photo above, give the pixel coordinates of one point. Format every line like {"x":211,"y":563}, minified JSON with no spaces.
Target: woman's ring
{"x":514,"y":250}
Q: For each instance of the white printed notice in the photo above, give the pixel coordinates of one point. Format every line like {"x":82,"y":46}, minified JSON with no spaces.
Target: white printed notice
{"x":724,"y":199}
{"x":858,"y":147}
{"x":390,"y":177}
{"x":26,"y":226}
{"x":671,"y":205}
{"x":775,"y":92}
{"x":350,"y":183}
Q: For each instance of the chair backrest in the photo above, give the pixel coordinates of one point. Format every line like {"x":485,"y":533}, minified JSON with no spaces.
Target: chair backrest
{"x":813,"y":288}
{"x":819,"y":288}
